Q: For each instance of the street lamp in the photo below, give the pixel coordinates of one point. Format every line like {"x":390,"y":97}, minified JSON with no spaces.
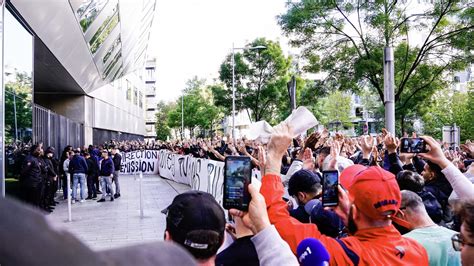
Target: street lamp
{"x":182,"y":117}
{"x":258,"y":47}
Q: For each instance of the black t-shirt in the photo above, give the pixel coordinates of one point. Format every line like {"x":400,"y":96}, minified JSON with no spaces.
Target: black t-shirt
{"x":241,"y":252}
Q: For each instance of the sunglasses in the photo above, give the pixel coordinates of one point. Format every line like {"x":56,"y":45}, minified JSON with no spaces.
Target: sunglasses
{"x":458,"y":242}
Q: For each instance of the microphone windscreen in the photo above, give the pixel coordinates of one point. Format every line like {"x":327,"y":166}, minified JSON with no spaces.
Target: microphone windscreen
{"x":311,"y":252}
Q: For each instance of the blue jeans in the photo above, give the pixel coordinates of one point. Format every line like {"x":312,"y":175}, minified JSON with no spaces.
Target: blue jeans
{"x":106,"y":182}
{"x":81,"y":179}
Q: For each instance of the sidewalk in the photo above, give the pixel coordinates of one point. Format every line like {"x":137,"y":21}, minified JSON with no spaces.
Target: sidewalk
{"x":118,"y":223}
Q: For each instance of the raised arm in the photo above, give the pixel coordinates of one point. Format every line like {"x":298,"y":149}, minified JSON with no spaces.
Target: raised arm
{"x":460,"y":183}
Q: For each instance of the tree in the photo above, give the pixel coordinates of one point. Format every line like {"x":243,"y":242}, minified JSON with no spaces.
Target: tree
{"x":199,"y":109}
{"x":450,"y":108}
{"x":163,"y":130}
{"x":337,"y":110}
{"x":346,"y":41}
{"x":260,"y":80}
{"x":19,"y":94}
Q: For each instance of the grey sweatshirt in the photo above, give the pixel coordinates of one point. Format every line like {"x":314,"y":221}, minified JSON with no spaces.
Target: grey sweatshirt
{"x":272,"y":249}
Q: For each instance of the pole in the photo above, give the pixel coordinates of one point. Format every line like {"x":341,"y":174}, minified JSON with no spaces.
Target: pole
{"x":141,"y":197}
{"x":233,"y":93}
{"x":182,"y":117}
{"x":68,"y":180}
{"x":14,"y":114}
{"x":389,"y":91}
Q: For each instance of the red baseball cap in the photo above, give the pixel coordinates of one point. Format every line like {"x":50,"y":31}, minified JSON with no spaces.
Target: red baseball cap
{"x":348,"y":175}
{"x":375,"y":192}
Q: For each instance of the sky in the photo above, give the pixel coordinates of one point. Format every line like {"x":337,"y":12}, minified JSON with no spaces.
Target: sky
{"x":192,"y":37}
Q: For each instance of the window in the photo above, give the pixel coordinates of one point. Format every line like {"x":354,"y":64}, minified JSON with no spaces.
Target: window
{"x":140,"y":103}
{"x":104,"y":30}
{"x":88,"y":11}
{"x":116,"y":43}
{"x":129,"y":90}
{"x":135,"y":99}
{"x":359,"y":112}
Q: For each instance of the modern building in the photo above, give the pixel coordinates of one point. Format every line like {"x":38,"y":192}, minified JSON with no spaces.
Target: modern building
{"x":151,"y":98}
{"x":73,"y":71}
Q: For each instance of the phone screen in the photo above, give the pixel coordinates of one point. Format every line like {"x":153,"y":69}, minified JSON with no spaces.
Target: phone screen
{"x":412,"y":145}
{"x":330,"y":190}
{"x":237,"y":177}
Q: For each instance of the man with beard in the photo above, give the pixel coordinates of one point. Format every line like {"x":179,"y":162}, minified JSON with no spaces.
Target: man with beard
{"x":367,"y":209}
{"x":30,"y":179}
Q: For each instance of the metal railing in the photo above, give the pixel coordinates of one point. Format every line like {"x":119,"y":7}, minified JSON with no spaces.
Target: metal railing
{"x":56,"y":130}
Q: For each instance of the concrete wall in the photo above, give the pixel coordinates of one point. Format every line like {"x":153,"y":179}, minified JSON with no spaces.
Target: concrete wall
{"x":71,"y":106}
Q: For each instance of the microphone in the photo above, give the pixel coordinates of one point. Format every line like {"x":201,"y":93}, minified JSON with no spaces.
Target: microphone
{"x":311,"y":252}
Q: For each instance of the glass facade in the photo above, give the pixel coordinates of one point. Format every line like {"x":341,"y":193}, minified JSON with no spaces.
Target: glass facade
{"x":98,"y":20}
{"x":88,"y":12}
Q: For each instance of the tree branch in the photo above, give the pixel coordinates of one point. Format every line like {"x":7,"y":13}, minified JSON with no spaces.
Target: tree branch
{"x":421,"y":52}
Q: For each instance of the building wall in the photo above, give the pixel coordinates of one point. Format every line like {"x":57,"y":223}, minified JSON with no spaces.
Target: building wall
{"x":119,"y":106}
{"x":149,"y":75}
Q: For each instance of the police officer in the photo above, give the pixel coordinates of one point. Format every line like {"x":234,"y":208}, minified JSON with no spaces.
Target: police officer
{"x":30,"y":178}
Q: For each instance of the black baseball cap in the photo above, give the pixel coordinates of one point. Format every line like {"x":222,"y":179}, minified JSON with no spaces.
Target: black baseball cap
{"x":302,"y":181}
{"x":194,"y":212}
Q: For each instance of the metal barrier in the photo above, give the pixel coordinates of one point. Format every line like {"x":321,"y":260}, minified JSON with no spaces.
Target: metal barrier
{"x":141,"y":197}
{"x":69,"y":212}
{"x":56,"y":130}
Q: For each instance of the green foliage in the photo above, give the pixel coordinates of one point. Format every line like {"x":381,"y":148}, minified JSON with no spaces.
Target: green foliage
{"x":448,"y":108}
{"x":198,"y":107}
{"x":163,"y":110}
{"x":336,"y":40}
{"x":260,"y":81}
{"x":336,"y":110}
{"x":18,"y":93}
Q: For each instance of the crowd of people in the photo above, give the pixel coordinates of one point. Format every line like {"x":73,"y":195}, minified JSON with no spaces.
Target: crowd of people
{"x":92,"y":170}
{"x":393,"y":208}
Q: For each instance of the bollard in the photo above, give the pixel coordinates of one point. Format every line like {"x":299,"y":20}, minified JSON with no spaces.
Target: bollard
{"x":68,"y":180}
{"x":141,"y":197}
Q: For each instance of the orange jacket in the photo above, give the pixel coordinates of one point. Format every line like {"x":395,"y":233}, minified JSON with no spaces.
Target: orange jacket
{"x":374,"y":246}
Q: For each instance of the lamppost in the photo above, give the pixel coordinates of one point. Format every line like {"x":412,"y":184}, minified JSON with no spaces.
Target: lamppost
{"x":258,"y":47}
{"x":389,"y":89}
{"x":182,"y":117}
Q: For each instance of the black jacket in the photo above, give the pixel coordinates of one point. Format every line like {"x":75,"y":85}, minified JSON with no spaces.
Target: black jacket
{"x":241,"y":252}
{"x":31,"y":171}
{"x":117,"y":161}
{"x":92,"y":167}
{"x":51,"y":172}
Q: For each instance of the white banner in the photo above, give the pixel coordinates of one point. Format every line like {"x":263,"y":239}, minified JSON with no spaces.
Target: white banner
{"x":136,"y":161}
{"x":201,"y":174}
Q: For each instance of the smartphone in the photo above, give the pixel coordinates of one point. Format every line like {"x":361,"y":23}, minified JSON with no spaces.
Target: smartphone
{"x":237,"y":177}
{"x":330,"y":188}
{"x":413,"y":145}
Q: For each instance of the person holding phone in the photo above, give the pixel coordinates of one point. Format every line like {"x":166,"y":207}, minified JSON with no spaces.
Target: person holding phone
{"x":367,"y":208}
{"x":305,"y":187}
{"x":461,"y":185}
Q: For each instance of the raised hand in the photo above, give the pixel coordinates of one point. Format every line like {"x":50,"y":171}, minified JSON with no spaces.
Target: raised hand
{"x":308,"y":159}
{"x":335,"y":149}
{"x":277,"y":147}
{"x":256,"y":219}
{"x":367,"y":143}
{"x":435,"y":153}
{"x":391,"y":143}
